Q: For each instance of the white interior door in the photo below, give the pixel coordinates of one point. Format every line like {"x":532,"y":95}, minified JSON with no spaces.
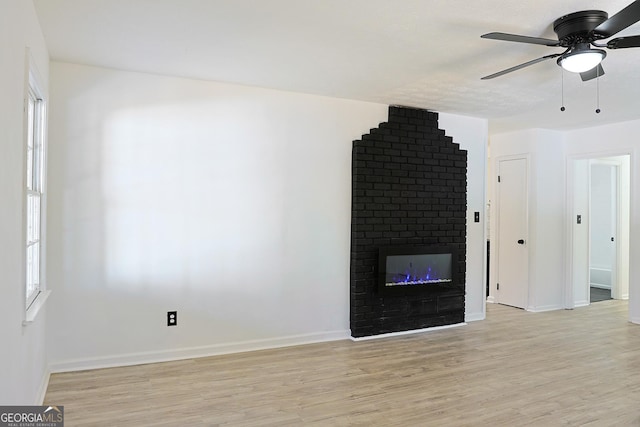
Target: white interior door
{"x":615,"y":202}
{"x":513,"y":266}
{"x":604,"y":203}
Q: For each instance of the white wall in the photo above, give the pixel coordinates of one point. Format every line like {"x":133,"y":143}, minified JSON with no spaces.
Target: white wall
{"x":545,"y":150}
{"x":229,"y":204}
{"x":579,"y":188}
{"x":472,"y":133}
{"x":23,"y":372}
{"x":552,"y":220}
{"x":549,"y":217}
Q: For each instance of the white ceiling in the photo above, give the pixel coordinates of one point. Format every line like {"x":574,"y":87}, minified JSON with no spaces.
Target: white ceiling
{"x":422,"y":53}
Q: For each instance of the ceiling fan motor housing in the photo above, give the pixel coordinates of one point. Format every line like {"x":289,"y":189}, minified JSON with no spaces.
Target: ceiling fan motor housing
{"x":577,"y":32}
{"x":577,"y":27}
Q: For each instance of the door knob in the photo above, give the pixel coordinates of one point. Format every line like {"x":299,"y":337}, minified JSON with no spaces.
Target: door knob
{"x":521,"y":242}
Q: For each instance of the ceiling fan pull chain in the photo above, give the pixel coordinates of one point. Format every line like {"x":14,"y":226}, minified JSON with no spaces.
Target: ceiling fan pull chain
{"x":562,"y":107}
{"x":597,"y":90}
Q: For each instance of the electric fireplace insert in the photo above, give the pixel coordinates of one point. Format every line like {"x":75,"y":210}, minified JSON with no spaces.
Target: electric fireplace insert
{"x":409,"y":269}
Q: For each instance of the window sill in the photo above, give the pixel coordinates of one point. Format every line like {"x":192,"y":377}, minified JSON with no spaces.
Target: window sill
{"x":35,"y":307}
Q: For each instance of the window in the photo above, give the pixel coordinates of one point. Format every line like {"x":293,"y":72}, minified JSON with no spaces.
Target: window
{"x":34,"y":190}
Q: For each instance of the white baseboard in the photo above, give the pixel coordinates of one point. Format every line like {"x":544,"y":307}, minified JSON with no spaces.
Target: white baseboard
{"x":42,"y":391}
{"x":411,"y":332}
{"x":474,"y":317}
{"x":635,"y":320}
{"x":582,"y":303}
{"x":545,"y":308}
{"x":194,"y":352}
{"x":491,"y":299}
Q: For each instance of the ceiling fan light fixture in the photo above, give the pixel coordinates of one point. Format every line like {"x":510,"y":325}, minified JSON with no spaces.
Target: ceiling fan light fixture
{"x":581,"y":60}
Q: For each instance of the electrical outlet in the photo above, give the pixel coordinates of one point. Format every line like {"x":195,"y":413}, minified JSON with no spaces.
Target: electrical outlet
{"x":172,"y":318}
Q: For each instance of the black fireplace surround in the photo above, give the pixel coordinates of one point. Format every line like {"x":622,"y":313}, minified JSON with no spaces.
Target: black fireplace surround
{"x":408,"y":226}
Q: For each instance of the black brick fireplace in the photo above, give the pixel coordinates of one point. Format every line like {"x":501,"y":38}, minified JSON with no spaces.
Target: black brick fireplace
{"x":408,"y":202}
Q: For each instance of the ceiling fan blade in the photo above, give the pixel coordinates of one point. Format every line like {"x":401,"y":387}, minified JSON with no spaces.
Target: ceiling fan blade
{"x":593,"y":73}
{"x":618,"y":22}
{"x":624,"y":42}
{"x":518,"y":67}
{"x":520,"y":39}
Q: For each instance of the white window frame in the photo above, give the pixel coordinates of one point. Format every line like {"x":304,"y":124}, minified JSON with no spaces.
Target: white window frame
{"x":34,"y":200}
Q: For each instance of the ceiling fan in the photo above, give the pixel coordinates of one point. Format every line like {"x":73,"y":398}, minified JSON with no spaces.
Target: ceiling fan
{"x":577,"y":32}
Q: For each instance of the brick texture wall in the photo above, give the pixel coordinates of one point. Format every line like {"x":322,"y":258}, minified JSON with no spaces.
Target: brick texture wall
{"x":408,"y":188}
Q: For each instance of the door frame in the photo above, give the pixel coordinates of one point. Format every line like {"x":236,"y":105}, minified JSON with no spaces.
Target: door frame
{"x":495,"y":261}
{"x":569,"y":301}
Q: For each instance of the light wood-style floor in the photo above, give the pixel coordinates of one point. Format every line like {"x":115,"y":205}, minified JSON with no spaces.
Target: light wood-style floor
{"x":571,"y":367}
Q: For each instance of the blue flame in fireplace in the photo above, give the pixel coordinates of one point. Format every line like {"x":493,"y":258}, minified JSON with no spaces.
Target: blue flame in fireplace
{"x":422,"y":274}
{"x":413,"y":277}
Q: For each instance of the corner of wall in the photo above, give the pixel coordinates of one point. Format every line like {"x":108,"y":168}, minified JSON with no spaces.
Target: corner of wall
{"x":23,"y":366}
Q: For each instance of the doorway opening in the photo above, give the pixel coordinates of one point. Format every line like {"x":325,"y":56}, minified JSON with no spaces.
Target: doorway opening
{"x":600,"y":229}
